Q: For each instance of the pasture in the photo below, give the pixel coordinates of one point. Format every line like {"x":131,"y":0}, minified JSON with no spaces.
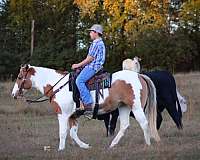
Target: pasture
{"x":26,"y":129}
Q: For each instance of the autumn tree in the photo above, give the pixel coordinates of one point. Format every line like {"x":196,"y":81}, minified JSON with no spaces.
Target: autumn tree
{"x":55,"y":30}
{"x":190,"y":24}
{"x":126,"y":17}
{"x":190,"y":15}
{"x":125,"y":20}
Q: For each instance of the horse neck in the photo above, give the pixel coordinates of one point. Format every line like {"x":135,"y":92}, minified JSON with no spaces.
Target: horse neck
{"x":136,"y":68}
{"x":44,"y":77}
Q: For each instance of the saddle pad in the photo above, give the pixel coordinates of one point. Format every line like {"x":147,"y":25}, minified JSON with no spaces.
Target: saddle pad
{"x":103,"y":80}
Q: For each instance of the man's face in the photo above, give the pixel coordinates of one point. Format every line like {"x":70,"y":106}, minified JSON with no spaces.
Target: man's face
{"x":93,"y":35}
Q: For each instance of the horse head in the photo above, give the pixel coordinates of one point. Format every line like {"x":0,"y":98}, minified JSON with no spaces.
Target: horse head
{"x":182,"y":101}
{"x":131,"y":64}
{"x":23,"y":81}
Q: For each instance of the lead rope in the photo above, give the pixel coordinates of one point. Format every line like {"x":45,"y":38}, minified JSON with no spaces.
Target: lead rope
{"x":37,"y":99}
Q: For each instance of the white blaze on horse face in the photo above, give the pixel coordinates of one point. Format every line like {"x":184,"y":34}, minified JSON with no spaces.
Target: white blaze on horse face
{"x":24,"y":82}
{"x":15,"y":90}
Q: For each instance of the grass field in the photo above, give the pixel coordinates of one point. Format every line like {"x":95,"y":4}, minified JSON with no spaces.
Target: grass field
{"x":26,"y":129}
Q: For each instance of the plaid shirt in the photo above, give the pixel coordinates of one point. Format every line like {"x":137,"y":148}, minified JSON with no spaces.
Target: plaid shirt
{"x":97,"y":50}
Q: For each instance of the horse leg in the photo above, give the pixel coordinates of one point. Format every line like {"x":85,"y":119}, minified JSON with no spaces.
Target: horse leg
{"x":113,"y":121}
{"x":106,"y":122}
{"x":73,"y":133}
{"x":142,"y":120}
{"x":159,"y":119}
{"x":106,"y":119}
{"x":63,"y":125}
{"x":171,"y":108}
{"x":124,"y":123}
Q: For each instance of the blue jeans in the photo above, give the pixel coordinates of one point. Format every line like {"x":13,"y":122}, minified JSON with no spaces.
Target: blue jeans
{"x":81,"y":80}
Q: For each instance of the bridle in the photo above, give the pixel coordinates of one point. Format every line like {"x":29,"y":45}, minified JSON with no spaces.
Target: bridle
{"x":37,"y":100}
{"x":23,"y":82}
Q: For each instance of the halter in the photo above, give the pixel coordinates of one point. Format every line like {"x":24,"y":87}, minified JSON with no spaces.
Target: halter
{"x":23,"y":81}
{"x":37,"y":100}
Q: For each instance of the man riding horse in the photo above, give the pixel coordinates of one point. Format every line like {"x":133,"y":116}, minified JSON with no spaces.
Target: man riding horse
{"x":91,"y":65}
{"x":127,"y":92}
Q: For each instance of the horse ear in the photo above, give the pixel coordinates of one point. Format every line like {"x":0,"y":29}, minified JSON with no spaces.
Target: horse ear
{"x":26,"y":66}
{"x":137,"y":58}
{"x":31,"y":70}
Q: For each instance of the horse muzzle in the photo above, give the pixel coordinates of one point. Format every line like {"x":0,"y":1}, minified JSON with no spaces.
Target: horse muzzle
{"x":14,"y":96}
{"x":17,"y":95}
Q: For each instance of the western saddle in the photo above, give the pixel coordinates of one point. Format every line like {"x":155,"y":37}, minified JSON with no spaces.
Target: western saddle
{"x":101,"y":80}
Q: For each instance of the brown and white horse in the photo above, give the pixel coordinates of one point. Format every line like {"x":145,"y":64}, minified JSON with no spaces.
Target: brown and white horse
{"x":168,"y":95}
{"x":129,"y":92}
{"x":134,"y":65}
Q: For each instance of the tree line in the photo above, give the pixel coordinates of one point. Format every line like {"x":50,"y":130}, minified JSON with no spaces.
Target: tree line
{"x":165,"y":35}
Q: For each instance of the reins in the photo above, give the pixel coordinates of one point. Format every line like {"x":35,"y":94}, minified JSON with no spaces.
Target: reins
{"x":37,"y":100}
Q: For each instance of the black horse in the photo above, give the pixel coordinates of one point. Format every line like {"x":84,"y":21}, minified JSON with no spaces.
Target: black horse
{"x":166,"y":99}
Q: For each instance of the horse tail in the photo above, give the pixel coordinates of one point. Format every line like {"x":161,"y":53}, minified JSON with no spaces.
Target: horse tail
{"x":151,"y":108}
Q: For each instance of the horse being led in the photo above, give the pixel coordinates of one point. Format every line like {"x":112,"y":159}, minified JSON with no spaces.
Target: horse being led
{"x":128,"y":92}
{"x":168,"y":95}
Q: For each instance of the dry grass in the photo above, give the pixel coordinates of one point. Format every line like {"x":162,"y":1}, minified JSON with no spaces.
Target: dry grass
{"x":25,"y":130}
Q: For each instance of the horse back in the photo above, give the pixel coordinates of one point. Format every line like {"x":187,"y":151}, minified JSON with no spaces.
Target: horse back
{"x":165,"y":88}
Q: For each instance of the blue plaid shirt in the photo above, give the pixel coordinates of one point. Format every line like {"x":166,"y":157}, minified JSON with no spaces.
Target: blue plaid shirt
{"x":97,"y":50}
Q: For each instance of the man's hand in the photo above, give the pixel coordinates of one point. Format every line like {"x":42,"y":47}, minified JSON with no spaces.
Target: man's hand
{"x":87,"y":60}
{"x":75,"y":66}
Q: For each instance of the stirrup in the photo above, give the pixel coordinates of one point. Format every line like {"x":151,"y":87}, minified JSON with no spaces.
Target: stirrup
{"x":85,"y":107}
{"x":78,"y":113}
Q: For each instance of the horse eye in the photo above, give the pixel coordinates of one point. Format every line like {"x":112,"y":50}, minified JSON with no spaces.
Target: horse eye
{"x":19,"y":78}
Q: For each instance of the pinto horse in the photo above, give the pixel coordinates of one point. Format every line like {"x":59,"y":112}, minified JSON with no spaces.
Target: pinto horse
{"x":129,"y":91}
{"x":168,"y":97}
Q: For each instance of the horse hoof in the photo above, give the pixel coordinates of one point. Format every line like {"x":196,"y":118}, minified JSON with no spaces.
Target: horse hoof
{"x":86,"y":146}
{"x":60,"y":149}
{"x":146,"y":146}
{"x":111,"y":146}
{"x":111,"y":133}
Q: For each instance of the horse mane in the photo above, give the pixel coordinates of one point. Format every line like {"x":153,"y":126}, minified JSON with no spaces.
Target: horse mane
{"x":52,"y":70}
